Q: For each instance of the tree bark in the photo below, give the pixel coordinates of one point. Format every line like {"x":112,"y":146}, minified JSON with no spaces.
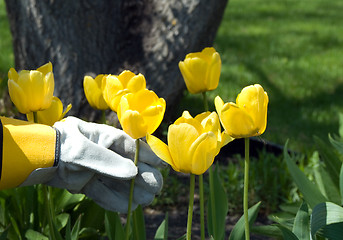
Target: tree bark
{"x":93,"y":37}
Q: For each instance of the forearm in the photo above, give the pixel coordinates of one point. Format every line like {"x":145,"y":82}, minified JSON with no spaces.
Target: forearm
{"x":25,"y":147}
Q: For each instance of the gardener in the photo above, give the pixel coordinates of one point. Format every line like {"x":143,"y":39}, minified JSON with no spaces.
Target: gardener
{"x":81,"y":157}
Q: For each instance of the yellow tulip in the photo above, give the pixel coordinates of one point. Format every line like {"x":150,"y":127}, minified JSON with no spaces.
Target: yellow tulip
{"x":114,"y":87}
{"x":31,"y":91}
{"x":50,"y":115}
{"x":201,"y":70}
{"x":93,"y":91}
{"x":248,"y":116}
{"x":141,"y":113}
{"x":192,"y":143}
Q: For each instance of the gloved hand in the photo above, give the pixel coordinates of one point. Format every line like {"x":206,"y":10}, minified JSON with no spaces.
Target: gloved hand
{"x":97,"y":160}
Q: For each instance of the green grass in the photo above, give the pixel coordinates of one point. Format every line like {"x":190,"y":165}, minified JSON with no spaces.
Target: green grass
{"x":294,"y":49}
{"x":6,"y":50}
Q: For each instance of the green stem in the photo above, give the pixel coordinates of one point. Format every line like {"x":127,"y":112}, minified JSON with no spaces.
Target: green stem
{"x":190,"y":206}
{"x":212,"y":206}
{"x":128,"y":219}
{"x":202,"y":215}
{"x":201,"y":185}
{"x":103,"y":117}
{"x":246,"y":189}
{"x":49,"y":210}
{"x":204,"y":98}
{"x":35,"y":117}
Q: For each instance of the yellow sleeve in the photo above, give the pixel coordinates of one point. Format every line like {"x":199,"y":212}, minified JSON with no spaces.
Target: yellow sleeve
{"x":25,"y":147}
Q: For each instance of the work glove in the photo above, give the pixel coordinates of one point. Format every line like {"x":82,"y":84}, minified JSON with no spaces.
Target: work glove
{"x":97,"y":160}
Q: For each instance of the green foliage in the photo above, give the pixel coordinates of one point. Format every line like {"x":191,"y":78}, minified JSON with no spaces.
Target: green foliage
{"x":238,"y":232}
{"x":216,"y":227}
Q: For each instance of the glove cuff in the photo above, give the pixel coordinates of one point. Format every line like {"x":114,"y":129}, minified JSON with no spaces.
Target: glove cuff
{"x":26,"y":147}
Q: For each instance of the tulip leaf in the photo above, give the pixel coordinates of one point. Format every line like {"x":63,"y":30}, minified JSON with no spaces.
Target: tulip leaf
{"x":162,"y":231}
{"x":113,"y":226}
{"x":33,"y":235}
{"x":287,"y":234}
{"x":311,"y":193}
{"x":341,"y":183}
{"x":73,"y":234}
{"x":138,"y":224}
{"x":330,"y":158}
{"x":338,"y":145}
{"x":324,"y":215}
{"x":268,"y":230}
{"x":216,"y":228}
{"x":301,"y":226}
{"x":238,"y":232}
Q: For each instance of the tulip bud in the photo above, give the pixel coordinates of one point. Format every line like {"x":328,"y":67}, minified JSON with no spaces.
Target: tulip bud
{"x":201,"y":70}
{"x":114,"y":87}
{"x":192,"y":143}
{"x":248,"y":116}
{"x":93,"y":91}
{"x":31,"y":91}
{"x":141,"y":113}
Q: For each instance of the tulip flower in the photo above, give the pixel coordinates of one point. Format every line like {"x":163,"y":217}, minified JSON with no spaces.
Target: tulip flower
{"x":50,"y":115}
{"x":248,"y":116}
{"x":201,"y":70}
{"x":31,"y":91}
{"x":93,"y":91}
{"x":114,"y":87}
{"x":192,"y":143}
{"x":141,"y":113}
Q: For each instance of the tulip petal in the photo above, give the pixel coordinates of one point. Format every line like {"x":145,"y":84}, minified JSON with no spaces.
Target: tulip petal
{"x":46,"y":68}
{"x":180,"y":138}
{"x":125,"y":76}
{"x":160,"y":149}
{"x":219,"y":103}
{"x":18,"y":97}
{"x":237,"y":122}
{"x":203,"y":151}
{"x":35,"y":91}
{"x":13,"y":75}
{"x":133,"y":124}
{"x":255,"y":101}
{"x":136,"y":83}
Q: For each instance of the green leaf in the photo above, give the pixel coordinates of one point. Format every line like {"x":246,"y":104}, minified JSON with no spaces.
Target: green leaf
{"x":338,"y":145}
{"x":33,"y":235}
{"x":330,"y":158}
{"x":324,"y":181}
{"x":267,"y":230}
{"x":220,"y":206}
{"x":182,"y":237}
{"x":301,"y":226}
{"x":65,"y":199}
{"x":238,"y":232}
{"x":340,"y":129}
{"x":61,"y":220}
{"x":162,"y":231}
{"x":325,"y":214}
{"x":113,"y":226}
{"x":287,"y":234}
{"x":341,"y":183}
{"x":138,"y":224}
{"x":311,"y":193}
{"x":76,"y":229}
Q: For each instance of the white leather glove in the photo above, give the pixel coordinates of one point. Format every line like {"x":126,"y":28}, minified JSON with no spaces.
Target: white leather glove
{"x":97,"y":160}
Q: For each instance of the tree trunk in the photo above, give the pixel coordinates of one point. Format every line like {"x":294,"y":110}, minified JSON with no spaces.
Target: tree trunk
{"x":93,"y":37}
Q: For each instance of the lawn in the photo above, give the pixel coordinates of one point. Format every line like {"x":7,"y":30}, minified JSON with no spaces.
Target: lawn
{"x":294,"y":49}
